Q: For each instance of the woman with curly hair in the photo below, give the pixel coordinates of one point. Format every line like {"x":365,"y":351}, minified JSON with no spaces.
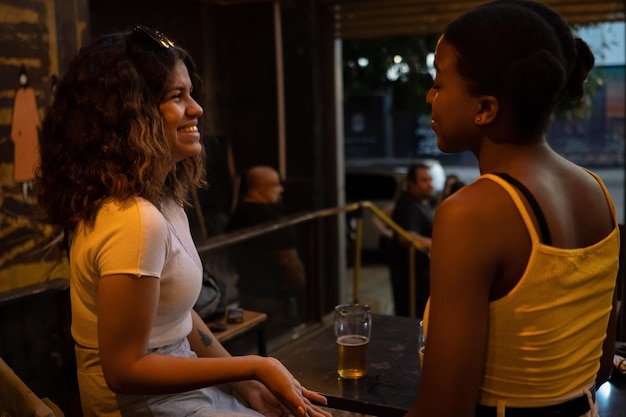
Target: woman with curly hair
{"x":520,"y":322}
{"x":120,"y":149}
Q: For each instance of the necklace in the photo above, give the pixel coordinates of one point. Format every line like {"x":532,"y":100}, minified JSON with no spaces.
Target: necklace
{"x":173,"y":228}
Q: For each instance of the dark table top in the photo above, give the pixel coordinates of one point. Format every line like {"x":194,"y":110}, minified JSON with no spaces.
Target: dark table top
{"x":611,"y":398}
{"x":393,"y":371}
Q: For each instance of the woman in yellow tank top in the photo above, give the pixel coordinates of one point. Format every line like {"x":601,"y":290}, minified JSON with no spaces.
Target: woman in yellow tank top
{"x":516,"y":324}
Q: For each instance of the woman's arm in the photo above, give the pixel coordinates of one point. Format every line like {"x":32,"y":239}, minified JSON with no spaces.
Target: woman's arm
{"x":127,"y":307}
{"x":255,"y":393}
{"x":202,"y":340}
{"x":466,"y":252}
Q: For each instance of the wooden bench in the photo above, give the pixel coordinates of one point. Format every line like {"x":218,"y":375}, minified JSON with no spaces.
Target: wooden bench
{"x":252,"y":321}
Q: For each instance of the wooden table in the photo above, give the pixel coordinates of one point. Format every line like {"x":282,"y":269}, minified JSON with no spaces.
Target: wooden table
{"x":393,"y":371}
{"x":252,"y":321}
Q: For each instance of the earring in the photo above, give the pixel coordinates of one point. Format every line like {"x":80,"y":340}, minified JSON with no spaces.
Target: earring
{"x":478,"y":119}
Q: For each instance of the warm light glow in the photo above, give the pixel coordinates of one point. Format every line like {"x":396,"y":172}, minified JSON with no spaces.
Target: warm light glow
{"x":397,"y":59}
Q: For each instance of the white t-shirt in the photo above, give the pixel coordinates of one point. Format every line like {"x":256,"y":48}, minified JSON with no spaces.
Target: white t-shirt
{"x":135,"y":238}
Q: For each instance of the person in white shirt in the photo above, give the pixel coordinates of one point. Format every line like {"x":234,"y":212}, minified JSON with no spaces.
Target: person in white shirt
{"x":121,"y":148}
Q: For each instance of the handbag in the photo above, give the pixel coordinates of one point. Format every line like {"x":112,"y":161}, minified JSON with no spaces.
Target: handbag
{"x":211,"y":302}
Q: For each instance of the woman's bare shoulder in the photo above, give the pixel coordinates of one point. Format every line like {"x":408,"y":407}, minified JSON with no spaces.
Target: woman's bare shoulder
{"x":481,"y":214}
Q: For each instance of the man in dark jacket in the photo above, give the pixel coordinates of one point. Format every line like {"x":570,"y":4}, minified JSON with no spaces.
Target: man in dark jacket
{"x":413,"y":212}
{"x":271,"y":274}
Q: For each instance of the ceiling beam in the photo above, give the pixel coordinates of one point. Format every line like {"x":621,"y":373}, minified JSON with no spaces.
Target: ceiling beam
{"x":382,"y":18}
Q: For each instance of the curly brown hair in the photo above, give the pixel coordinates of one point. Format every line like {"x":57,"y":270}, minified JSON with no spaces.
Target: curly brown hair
{"x":103,"y":137}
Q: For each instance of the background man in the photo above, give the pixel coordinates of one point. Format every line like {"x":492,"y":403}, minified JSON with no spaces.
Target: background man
{"x":271,"y":274}
{"x":413,"y":212}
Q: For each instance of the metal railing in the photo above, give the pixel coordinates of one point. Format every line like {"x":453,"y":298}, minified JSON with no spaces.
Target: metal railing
{"x":251,"y":232}
{"x":413,"y":246}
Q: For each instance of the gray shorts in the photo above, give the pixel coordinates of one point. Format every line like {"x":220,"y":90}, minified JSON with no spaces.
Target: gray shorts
{"x":99,"y":401}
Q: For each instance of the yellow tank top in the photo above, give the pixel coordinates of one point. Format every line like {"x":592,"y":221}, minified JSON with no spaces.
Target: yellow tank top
{"x":546,"y":334}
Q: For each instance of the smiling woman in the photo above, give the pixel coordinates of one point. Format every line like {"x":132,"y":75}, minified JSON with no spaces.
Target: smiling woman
{"x":120,"y":151}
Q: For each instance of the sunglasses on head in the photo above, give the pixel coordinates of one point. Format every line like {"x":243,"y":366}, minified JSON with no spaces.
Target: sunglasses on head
{"x":146,"y":36}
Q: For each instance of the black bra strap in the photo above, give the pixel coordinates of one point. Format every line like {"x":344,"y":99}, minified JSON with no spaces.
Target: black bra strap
{"x":543,"y":225}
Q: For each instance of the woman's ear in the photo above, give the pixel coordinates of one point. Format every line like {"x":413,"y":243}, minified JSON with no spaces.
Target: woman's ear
{"x":488,"y":107}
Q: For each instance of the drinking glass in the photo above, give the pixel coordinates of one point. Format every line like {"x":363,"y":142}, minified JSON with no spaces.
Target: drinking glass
{"x":353,"y":326}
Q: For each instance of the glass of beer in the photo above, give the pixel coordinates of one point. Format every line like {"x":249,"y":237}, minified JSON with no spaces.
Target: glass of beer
{"x":353,"y":326}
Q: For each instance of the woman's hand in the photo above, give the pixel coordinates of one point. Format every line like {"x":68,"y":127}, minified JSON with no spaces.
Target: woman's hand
{"x":259,"y":398}
{"x":262,"y":400}
{"x":279,"y":388}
